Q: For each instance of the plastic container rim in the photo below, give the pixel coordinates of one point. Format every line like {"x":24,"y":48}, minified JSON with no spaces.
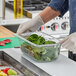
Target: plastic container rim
{"x":33,"y":43}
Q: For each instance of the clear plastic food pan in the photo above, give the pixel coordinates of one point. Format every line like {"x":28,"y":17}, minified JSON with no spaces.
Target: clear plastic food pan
{"x":41,"y":53}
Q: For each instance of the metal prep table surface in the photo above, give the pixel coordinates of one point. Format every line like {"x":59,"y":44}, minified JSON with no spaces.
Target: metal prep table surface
{"x":60,"y":67}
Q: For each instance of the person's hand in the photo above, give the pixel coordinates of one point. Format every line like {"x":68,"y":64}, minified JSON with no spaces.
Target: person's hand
{"x":70,"y":42}
{"x":32,"y":25}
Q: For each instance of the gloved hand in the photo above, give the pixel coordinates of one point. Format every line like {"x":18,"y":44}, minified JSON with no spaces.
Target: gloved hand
{"x":32,"y":25}
{"x":70,"y":42}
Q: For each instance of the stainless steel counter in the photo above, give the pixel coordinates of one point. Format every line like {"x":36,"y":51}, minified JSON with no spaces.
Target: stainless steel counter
{"x":60,"y":67}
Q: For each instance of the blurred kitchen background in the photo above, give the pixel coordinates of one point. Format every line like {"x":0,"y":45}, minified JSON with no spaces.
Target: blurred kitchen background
{"x":32,"y":6}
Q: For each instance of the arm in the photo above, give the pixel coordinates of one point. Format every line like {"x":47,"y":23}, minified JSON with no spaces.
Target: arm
{"x":48,"y":13}
{"x":55,"y":8}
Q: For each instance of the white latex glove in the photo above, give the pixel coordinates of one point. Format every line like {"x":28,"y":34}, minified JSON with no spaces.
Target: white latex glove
{"x":70,"y":42}
{"x":32,"y":25}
